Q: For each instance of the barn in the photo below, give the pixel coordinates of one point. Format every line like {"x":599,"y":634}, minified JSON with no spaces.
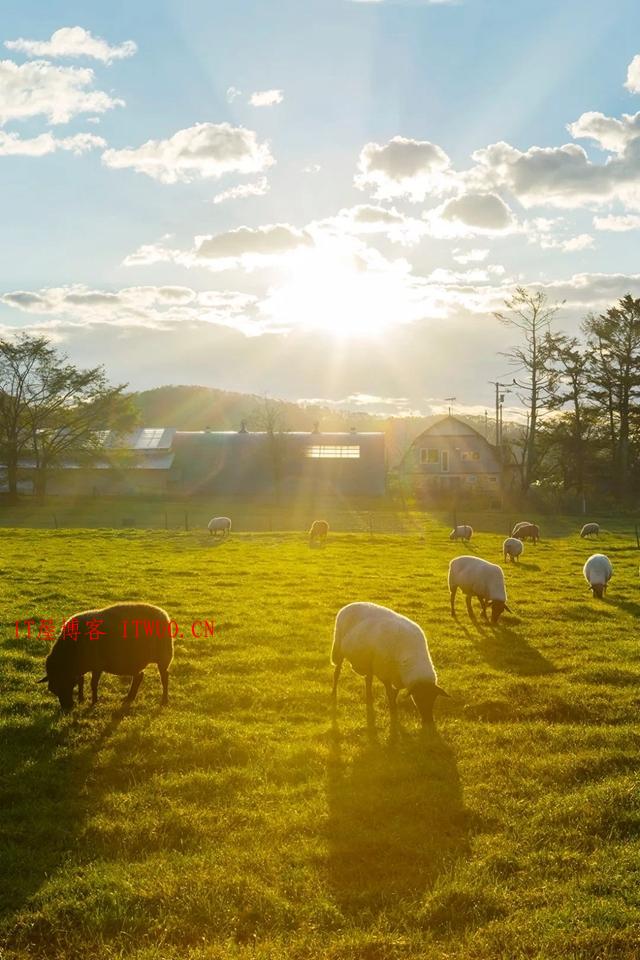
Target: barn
{"x":451,"y":459}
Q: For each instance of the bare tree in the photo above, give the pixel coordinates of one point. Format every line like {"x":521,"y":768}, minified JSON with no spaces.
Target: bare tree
{"x":531,"y":314}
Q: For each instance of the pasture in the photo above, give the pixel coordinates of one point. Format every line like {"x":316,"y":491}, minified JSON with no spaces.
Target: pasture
{"x":247,"y":821}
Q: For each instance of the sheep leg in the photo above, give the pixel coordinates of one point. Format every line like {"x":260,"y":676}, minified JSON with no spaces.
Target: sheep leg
{"x":136,"y":680}
{"x":336,"y":677}
{"x":164,"y":676}
{"x":469,"y":610}
{"x":453,"y":601}
{"x":81,"y":688}
{"x":483,"y":604}
{"x":95,"y":680}
{"x":392,"y":697}
{"x":369,"y":688}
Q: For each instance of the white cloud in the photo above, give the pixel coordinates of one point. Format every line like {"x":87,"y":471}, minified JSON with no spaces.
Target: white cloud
{"x":583,"y":241}
{"x":312,"y":168}
{"x":249,"y":247}
{"x":206,"y":150}
{"x":266,"y":98}
{"x":12,"y":145}
{"x":232,"y":94}
{"x":39,"y":88}
{"x":371,"y":219}
{"x":475,"y":255}
{"x":71,"y":42}
{"x":633,"y":75}
{"x":470,"y":215}
{"x":257,"y":189}
{"x":617,"y":224}
{"x":403,"y":168}
{"x":608,"y":132}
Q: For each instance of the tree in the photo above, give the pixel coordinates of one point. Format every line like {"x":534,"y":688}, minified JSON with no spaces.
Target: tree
{"x":531,"y":314}
{"x":571,"y":431}
{"x":270,"y":417}
{"x":614,"y":345}
{"x":51,"y":411}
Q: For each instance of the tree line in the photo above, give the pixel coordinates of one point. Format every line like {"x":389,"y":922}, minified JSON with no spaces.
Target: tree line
{"x":581,"y":395}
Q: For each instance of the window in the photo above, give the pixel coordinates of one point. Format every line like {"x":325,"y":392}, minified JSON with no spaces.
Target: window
{"x":429,"y":455}
{"x":471,"y":478}
{"x":469,"y":455}
{"x":317,"y":452}
{"x":444,"y":461}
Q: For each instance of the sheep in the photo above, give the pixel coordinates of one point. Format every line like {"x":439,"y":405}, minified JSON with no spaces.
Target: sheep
{"x":512,"y":548}
{"x":481,"y":579}
{"x":597,"y":572}
{"x":219,"y":525}
{"x":525,"y":530}
{"x":462,"y":532}
{"x":590,"y":529}
{"x":122,"y":639}
{"x":379,"y":642}
{"x":318,"y":532}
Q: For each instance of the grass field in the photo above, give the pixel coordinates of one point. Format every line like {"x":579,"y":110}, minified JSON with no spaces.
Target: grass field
{"x":245,"y":821}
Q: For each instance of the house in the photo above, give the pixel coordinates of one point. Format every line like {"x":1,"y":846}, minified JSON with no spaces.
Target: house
{"x":451,"y":458}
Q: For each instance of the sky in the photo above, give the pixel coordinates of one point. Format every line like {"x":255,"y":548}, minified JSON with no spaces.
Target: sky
{"x":315,"y":199}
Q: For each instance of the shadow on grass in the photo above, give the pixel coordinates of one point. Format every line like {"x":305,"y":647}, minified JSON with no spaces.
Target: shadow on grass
{"x":44,"y":800}
{"x":629,"y":606}
{"x":396,"y":819}
{"x":505,"y":649}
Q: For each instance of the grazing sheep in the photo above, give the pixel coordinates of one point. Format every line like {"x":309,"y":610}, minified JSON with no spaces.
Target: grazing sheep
{"x":590,"y":529}
{"x":122,"y":639}
{"x":597,"y":572}
{"x":481,"y":579}
{"x":462,"y":532}
{"x":219,"y":525}
{"x":318,"y":532}
{"x":512,"y":548}
{"x":525,"y":530}
{"x":379,"y":642}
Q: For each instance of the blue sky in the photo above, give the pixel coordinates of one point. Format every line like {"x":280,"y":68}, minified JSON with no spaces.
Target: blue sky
{"x":369,"y":236}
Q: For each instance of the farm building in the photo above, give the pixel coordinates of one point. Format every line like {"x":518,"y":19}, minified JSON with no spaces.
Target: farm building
{"x":448,"y":458}
{"x":169,"y":461}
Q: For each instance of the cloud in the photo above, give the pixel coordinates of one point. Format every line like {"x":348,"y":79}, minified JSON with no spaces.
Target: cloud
{"x":72,"y":42}
{"x":39,"y":88}
{"x":372,"y":219}
{"x":608,"y":132}
{"x":206,"y":150}
{"x":232,"y":94}
{"x":583,"y":241}
{"x":475,"y":255}
{"x":257,"y":189}
{"x":249,"y":247}
{"x":471,"y":215}
{"x":617,"y":224}
{"x":154,"y":307}
{"x":266,"y":98}
{"x":633,"y":75}
{"x":12,"y":145}
{"x":562,"y":177}
{"x":403,"y":168}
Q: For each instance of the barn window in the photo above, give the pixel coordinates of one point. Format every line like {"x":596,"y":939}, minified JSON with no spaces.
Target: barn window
{"x":471,"y":478}
{"x":325,"y":452}
{"x":469,"y":455}
{"x":429,"y":455}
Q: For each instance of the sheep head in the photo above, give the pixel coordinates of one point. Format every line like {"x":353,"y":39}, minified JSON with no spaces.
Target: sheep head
{"x":424,"y":696}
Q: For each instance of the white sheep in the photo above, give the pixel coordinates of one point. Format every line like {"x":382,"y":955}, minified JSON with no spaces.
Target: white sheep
{"x":597,"y":572}
{"x":512,"y":548}
{"x":481,"y":579}
{"x":462,"y":532}
{"x":219,"y":525}
{"x":380,"y":642}
{"x":590,"y":529}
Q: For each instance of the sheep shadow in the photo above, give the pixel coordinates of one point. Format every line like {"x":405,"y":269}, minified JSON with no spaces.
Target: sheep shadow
{"x":629,"y":606}
{"x":506,"y":649}
{"x":43,"y":796}
{"x":396,"y":819}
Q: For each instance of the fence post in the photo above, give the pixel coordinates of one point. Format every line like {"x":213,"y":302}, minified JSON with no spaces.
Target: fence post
{"x":637,"y":538}
{"x":186,"y":520}
{"x":55,"y":521}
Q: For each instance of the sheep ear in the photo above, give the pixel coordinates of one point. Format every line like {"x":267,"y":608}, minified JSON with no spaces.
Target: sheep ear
{"x":42,"y":679}
{"x":443,"y":693}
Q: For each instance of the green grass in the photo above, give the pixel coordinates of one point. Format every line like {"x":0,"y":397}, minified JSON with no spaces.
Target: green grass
{"x":244,"y":821}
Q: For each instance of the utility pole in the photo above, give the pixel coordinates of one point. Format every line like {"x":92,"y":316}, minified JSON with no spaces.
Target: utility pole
{"x":499,"y":402}
{"x":450,"y":400}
